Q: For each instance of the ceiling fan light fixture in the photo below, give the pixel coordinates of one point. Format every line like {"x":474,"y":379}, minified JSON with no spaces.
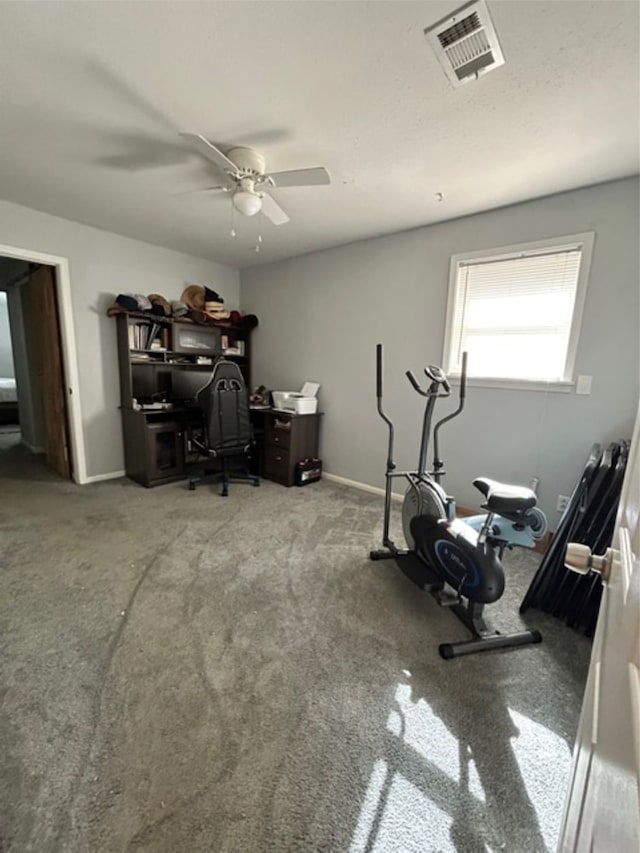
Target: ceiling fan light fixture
{"x":246,"y":203}
{"x":241,"y":170}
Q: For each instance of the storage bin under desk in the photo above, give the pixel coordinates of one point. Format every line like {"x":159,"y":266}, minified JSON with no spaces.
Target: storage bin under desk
{"x":287,"y":439}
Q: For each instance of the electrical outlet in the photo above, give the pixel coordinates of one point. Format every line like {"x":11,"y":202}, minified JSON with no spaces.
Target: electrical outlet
{"x":583,"y":385}
{"x":563,"y":501}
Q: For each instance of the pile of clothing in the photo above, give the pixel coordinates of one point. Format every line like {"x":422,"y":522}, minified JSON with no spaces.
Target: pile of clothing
{"x":205,"y":303}
{"x":198,"y":303}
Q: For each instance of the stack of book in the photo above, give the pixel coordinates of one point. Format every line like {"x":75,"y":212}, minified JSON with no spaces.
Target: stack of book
{"x":231,"y":347}
{"x":145,"y":336}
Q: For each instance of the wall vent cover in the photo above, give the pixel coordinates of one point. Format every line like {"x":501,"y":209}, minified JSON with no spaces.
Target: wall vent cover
{"x":466,"y":43}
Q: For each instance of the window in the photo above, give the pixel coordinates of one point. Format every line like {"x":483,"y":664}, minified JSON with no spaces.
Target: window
{"x":517,"y":311}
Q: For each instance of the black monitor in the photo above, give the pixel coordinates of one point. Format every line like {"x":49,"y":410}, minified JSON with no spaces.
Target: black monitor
{"x":186,"y":382}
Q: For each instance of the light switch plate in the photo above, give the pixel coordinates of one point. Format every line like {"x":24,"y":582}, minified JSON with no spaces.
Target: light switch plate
{"x":583,"y":385}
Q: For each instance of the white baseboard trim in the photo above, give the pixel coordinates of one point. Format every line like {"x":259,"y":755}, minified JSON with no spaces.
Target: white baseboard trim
{"x":97,"y":478}
{"x":363,"y":487}
{"x":31,"y":447}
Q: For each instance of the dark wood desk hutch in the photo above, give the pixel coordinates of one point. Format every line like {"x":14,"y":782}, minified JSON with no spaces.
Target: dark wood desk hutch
{"x":161,"y":359}
{"x":157,"y":355}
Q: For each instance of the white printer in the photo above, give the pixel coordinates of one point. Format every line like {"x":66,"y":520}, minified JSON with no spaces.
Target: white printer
{"x":303,"y":402}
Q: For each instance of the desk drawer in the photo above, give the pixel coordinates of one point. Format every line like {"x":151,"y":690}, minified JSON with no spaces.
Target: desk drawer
{"x":278,"y":437}
{"x":276,"y":463}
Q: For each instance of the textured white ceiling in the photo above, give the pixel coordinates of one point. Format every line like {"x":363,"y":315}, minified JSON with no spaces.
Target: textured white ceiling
{"x":94,"y":95}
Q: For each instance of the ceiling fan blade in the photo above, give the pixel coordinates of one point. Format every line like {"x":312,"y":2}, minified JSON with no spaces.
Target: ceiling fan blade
{"x":273,"y":211}
{"x":301,"y":177}
{"x":210,"y":152}
{"x":203,"y":190}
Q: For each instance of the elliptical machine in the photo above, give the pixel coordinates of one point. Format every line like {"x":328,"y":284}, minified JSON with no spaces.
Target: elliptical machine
{"x":457,"y":561}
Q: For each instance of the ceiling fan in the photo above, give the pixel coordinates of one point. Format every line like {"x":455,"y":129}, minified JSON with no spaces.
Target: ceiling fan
{"x":242,"y":173}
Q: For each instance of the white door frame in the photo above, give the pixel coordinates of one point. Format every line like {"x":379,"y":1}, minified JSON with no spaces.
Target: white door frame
{"x":69,"y":353}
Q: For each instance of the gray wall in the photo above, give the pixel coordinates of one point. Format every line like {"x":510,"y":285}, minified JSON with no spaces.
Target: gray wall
{"x":322,"y":314}
{"x":6,"y":355}
{"x":101,"y":265}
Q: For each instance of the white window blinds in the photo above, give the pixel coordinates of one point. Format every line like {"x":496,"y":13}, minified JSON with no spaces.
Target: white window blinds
{"x":514,"y":315}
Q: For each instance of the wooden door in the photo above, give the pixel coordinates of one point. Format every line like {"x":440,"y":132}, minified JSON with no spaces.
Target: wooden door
{"x":602,"y":809}
{"x":48,"y":367}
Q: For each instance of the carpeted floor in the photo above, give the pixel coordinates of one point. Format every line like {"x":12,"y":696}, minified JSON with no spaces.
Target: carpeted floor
{"x":186,"y":673}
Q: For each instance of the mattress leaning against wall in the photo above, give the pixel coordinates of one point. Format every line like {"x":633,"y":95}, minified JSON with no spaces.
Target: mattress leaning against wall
{"x":589,"y":519}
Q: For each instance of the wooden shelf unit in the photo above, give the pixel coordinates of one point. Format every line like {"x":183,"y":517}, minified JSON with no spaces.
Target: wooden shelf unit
{"x":154,"y":439}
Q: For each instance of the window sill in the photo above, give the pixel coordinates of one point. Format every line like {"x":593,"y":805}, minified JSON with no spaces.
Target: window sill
{"x":555,"y":387}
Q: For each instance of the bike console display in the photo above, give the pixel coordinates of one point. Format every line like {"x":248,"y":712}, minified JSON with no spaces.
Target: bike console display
{"x":435,"y":374}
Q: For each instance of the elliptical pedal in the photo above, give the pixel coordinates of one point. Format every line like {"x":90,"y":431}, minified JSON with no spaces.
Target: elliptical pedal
{"x":447,"y":599}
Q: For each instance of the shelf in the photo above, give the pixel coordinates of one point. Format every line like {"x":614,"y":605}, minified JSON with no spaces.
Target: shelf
{"x":167,"y":355}
{"x":160,"y":318}
{"x":149,"y":373}
{"x":190,"y":366}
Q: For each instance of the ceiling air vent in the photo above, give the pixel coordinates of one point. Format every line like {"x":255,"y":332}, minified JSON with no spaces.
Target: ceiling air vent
{"x":466,"y":43}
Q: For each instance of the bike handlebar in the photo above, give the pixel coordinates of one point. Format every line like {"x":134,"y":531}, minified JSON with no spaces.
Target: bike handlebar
{"x":379,"y":370}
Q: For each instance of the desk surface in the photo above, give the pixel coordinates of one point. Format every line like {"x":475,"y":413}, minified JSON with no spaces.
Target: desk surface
{"x":270,"y":411}
{"x":177,"y":410}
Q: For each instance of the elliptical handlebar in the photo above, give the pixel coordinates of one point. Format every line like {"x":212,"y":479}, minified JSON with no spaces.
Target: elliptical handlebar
{"x":463,"y":377}
{"x":416,"y":386}
{"x":437,"y":377}
{"x":446,"y":386}
{"x":438,"y":464}
{"x":381,"y":412}
{"x":379,"y":371}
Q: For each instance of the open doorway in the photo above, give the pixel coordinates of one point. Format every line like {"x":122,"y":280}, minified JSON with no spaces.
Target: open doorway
{"x":33,"y":410}
{"x":9,"y":416}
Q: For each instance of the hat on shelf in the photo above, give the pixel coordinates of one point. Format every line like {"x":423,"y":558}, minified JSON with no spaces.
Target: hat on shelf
{"x":243,"y":321}
{"x":203,"y":303}
{"x":212,"y":296}
{"x":193,"y":297}
{"x":214,"y":305}
{"x":179,"y":308}
{"x":159,"y":305}
{"x":144,"y":303}
{"x":128,"y":302}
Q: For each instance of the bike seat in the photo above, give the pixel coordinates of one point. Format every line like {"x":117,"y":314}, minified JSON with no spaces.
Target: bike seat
{"x":503,"y":498}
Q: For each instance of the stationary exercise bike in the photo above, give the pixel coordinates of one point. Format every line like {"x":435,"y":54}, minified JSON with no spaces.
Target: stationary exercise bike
{"x":457,"y":561}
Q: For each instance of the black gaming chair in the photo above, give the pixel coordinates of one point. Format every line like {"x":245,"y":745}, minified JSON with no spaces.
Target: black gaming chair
{"x":227,"y":426}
